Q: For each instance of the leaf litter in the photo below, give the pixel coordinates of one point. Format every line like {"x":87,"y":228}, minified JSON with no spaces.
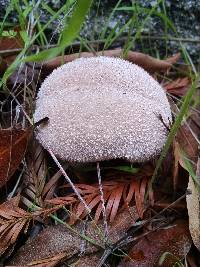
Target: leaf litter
{"x":44,"y":197}
{"x":13,"y":144}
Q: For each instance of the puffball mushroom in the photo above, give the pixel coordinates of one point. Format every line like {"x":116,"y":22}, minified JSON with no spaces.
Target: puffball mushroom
{"x":102,"y":108}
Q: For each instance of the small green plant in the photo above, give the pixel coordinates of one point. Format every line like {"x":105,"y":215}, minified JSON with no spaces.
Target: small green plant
{"x":9,"y":34}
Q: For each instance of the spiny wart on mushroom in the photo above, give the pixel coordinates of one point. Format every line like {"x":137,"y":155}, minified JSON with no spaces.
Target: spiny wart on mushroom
{"x":102,"y":108}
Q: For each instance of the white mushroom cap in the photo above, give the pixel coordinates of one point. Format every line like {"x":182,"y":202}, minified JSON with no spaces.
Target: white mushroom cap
{"x":102,"y":108}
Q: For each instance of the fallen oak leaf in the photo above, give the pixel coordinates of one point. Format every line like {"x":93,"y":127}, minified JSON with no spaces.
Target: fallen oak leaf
{"x":88,"y":260}
{"x":173,"y":59}
{"x":145,"y":61}
{"x":151,"y":64}
{"x":175,"y":239}
{"x":13,"y":143}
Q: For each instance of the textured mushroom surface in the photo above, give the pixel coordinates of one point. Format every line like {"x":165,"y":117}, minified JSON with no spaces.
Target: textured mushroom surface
{"x":102,"y":108}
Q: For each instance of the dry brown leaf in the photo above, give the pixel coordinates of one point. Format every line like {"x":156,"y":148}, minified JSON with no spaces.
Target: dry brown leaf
{"x":13,"y":145}
{"x":173,"y":59}
{"x":178,"y":87}
{"x":187,"y":143}
{"x":59,"y":239}
{"x":151,"y":64}
{"x":147,"y":62}
{"x":146,"y":253}
{"x":3,"y":66}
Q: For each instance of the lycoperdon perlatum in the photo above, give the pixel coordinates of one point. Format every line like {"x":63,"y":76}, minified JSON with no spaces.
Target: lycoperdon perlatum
{"x":102,"y":108}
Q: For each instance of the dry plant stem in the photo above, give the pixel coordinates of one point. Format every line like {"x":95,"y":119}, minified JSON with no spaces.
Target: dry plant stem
{"x":52,"y":37}
{"x":18,"y":103}
{"x":103,"y":203}
{"x":69,"y":180}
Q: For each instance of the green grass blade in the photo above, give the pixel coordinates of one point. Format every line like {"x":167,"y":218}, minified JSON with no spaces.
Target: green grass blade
{"x":109,"y":41}
{"x":103,"y":34}
{"x":44,"y":55}
{"x":183,"y":111}
{"x":141,"y":27}
{"x":69,"y":33}
{"x":21,"y":17}
{"x":72,"y":29}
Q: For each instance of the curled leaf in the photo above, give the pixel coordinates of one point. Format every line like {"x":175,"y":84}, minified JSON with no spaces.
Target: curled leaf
{"x":147,"y":62}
